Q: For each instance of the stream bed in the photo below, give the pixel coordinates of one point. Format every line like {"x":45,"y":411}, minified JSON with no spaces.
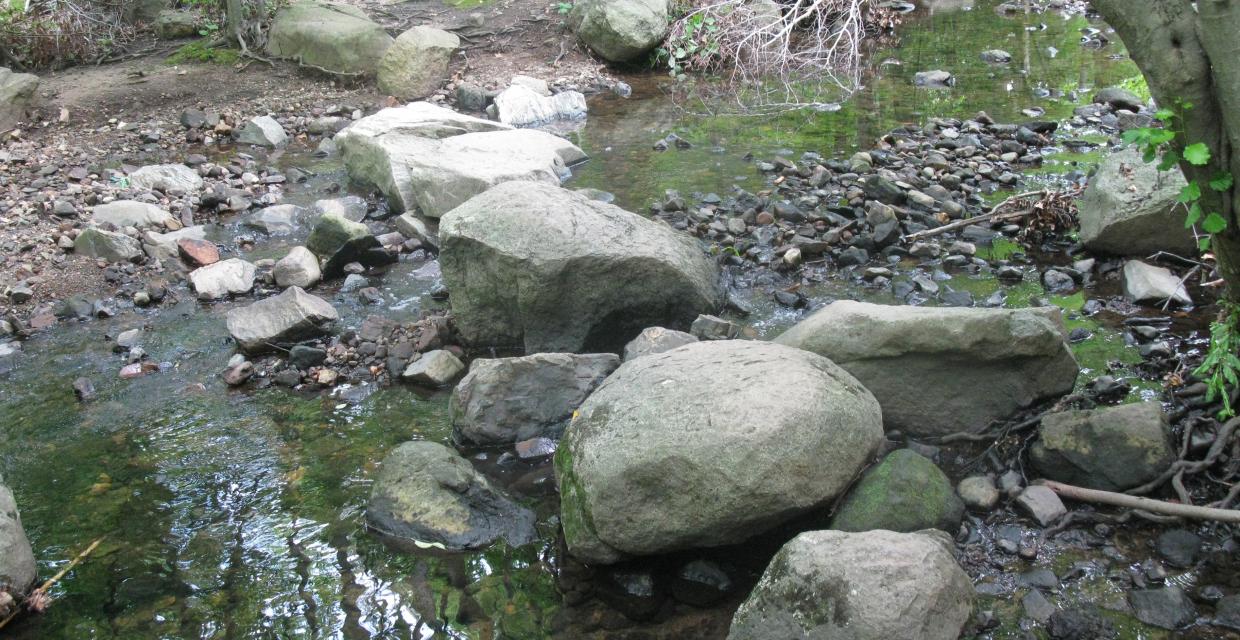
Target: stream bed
{"x":238,"y":513}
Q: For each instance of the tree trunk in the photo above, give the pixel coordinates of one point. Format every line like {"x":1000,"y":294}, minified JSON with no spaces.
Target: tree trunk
{"x":1189,"y":55}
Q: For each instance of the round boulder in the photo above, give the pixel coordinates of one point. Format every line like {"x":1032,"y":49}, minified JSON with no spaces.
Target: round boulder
{"x":704,"y":446}
{"x":876,"y":585}
{"x":417,"y":62}
{"x":905,"y":492}
{"x":17,"y":568}
{"x":620,"y":30}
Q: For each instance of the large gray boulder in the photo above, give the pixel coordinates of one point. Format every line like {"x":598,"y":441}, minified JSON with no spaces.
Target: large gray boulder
{"x":131,"y":213}
{"x":1110,"y":448}
{"x":280,"y":320}
{"x":230,"y":277}
{"x":938,"y":370}
{"x":416,"y":64}
{"x":1129,"y":208}
{"x":534,"y":265}
{"x":166,"y":177}
{"x":702,"y":446}
{"x":876,"y":585}
{"x":18,"y":94}
{"x":337,"y":38}
{"x":17,"y":568}
{"x":430,"y":159}
{"x":427,"y":495}
{"x":507,"y":400}
{"x":107,"y":245}
{"x":620,"y":30}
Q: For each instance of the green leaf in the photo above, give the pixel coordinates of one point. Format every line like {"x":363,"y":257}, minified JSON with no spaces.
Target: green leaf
{"x":1203,"y":244}
{"x":1221,"y":181}
{"x":1135,"y":136}
{"x":1189,"y":193}
{"x":1165,"y":115}
{"x":1169,"y":160}
{"x":1161,"y":136}
{"x":1194,"y":214}
{"x":1151,"y":152}
{"x":1214,"y":223}
{"x":1197,"y":153}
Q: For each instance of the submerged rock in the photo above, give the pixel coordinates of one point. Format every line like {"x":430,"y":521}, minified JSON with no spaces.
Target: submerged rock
{"x":337,"y":38}
{"x":700,"y":447}
{"x":876,"y":585}
{"x":17,"y":568}
{"x":620,"y":30}
{"x":1109,"y":448}
{"x":426,"y":494}
{"x":289,"y":317}
{"x":1130,"y":208}
{"x":507,"y":400}
{"x":942,"y":370}
{"x":535,"y":265}
{"x":905,"y":492}
{"x":422,"y":158}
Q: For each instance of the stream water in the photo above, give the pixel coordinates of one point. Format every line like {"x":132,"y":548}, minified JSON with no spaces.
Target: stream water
{"x":237,"y":514}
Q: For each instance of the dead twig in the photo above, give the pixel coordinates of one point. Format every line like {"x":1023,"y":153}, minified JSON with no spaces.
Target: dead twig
{"x":40,"y":594}
{"x":1159,"y":507}
{"x":995,"y":212}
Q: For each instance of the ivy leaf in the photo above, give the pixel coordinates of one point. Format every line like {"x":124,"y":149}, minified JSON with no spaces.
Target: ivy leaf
{"x":1194,"y":214}
{"x":1135,"y":136}
{"x":1203,"y":244}
{"x":1221,"y":181}
{"x":1198,"y":154}
{"x":1169,"y":160}
{"x":1214,"y":223}
{"x":1189,"y":193}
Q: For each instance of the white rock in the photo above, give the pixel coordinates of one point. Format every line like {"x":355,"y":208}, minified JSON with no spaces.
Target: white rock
{"x":166,"y":177}
{"x":434,"y":368}
{"x":263,"y":131}
{"x":224,"y":278}
{"x":1147,"y":282}
{"x":297,"y":269}
{"x":131,"y":213}
{"x":521,"y":106}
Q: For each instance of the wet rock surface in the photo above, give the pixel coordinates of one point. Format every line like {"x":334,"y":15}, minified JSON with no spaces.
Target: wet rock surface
{"x":426,"y":493}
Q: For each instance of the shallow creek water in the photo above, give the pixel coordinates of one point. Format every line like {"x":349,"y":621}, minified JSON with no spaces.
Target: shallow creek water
{"x":237,"y":514}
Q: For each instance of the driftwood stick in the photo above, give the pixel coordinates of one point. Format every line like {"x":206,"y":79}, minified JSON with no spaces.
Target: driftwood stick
{"x":985,"y":217}
{"x":54,"y":579}
{"x":1081,"y":494}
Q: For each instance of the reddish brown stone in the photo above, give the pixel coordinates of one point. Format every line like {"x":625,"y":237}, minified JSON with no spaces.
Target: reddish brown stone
{"x":199,"y":253}
{"x":765,"y":218}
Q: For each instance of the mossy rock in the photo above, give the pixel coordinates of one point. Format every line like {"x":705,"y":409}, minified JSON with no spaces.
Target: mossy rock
{"x":905,"y":492}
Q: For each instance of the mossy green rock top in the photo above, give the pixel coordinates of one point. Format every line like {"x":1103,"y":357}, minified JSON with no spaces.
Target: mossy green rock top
{"x":333,"y":231}
{"x":1111,"y":448}
{"x":337,"y":38}
{"x":875,"y":585}
{"x":905,"y":492}
{"x":703,"y":446}
{"x":426,"y":494}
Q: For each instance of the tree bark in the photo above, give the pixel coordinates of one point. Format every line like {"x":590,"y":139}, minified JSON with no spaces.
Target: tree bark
{"x":1189,"y":55}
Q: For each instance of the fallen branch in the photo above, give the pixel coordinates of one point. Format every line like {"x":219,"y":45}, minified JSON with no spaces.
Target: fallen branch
{"x":41,"y":592}
{"x":1081,"y":494}
{"x":989,"y":216}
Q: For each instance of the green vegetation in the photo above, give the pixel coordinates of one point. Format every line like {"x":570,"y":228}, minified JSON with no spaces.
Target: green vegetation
{"x":201,"y":51}
{"x":1137,"y":86}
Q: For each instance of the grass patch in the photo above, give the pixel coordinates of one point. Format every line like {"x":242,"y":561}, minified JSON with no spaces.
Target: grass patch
{"x":198,"y":51}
